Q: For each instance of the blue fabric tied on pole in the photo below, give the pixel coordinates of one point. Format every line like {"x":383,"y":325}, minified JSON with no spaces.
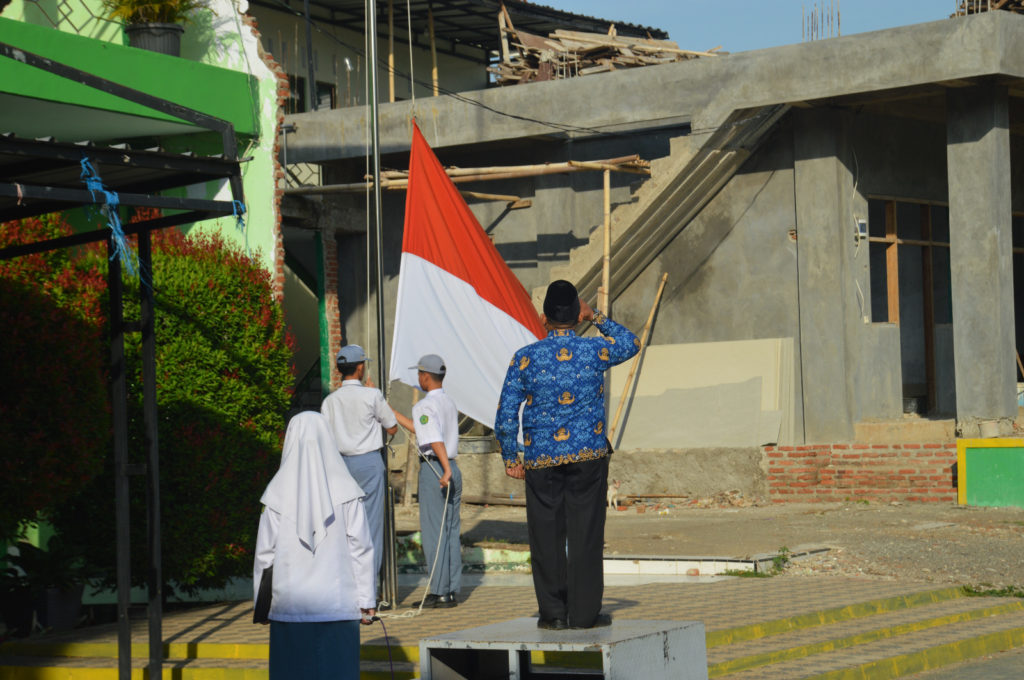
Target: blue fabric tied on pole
{"x":110,"y":207}
{"x":238,"y":209}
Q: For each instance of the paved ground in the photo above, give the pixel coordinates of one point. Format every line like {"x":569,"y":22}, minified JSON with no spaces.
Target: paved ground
{"x":1002,"y":666}
{"x":871,"y":596}
{"x":932,"y":543}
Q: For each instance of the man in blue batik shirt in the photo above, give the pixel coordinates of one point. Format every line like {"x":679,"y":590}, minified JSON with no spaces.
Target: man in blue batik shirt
{"x":565,"y":453}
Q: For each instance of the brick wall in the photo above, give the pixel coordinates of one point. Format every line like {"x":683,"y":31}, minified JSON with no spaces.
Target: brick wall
{"x":277,"y":278}
{"x":873,"y":472}
{"x":334,"y":338}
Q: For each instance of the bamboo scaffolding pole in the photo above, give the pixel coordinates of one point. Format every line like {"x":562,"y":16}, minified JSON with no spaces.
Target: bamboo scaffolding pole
{"x":636,"y":359}
{"x":611,"y":163}
{"x":591,"y":165}
{"x":433,"y":48}
{"x":400,"y":180}
{"x":391,"y":51}
{"x":606,"y":261}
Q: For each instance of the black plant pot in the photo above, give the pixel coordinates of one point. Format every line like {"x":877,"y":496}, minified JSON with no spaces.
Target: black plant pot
{"x":162,"y":38}
{"x":16,"y":610}
{"x":60,"y":609}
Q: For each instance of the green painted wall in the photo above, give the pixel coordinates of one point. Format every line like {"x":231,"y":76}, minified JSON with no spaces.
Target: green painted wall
{"x":995,"y":476}
{"x":220,"y":73}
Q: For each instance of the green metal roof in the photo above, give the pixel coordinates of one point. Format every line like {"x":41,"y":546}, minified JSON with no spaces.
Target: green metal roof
{"x":34,"y":103}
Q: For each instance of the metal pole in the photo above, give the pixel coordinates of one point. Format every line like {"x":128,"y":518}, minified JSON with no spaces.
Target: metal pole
{"x":310,"y":73}
{"x":155,"y":574}
{"x":389,"y":582}
{"x":119,"y":404}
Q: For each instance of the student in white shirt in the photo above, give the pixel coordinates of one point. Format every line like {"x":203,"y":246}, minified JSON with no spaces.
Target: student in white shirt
{"x":314,"y":533}
{"x":356,"y":413}
{"x":435,"y":421}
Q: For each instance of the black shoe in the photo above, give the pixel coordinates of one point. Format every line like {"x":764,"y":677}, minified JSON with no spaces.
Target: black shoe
{"x":383,"y":606}
{"x":431,"y":600}
{"x":552,"y":624}
{"x":601,"y":621}
{"x":447,"y":601}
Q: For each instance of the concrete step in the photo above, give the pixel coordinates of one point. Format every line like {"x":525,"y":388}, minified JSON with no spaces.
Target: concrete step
{"x":104,"y":668}
{"x":889,"y":646}
{"x":665,"y":169}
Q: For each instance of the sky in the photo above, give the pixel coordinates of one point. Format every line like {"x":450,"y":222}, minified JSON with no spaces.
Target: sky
{"x":741,"y":25}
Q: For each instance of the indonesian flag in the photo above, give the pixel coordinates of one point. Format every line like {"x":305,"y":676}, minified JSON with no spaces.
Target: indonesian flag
{"x":456,"y":296}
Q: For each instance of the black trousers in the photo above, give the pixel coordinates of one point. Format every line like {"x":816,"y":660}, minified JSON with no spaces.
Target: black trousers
{"x":565,"y":512}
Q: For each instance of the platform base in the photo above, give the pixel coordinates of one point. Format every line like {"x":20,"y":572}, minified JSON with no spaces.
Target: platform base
{"x":653,"y":650}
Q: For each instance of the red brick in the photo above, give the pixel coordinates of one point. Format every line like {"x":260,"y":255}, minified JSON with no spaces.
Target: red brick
{"x":861,"y":446}
{"x":911,"y":446}
{"x":933,"y":446}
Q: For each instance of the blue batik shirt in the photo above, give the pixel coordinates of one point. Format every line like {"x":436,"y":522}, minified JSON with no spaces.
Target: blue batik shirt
{"x":561,"y":381}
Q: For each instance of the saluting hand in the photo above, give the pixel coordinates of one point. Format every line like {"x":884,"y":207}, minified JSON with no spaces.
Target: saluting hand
{"x":586,"y":311}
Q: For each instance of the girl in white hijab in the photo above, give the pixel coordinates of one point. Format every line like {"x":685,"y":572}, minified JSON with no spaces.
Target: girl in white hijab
{"x":314,"y":533}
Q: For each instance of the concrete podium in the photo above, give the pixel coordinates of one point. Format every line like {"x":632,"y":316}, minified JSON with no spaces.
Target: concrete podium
{"x":652,"y":650}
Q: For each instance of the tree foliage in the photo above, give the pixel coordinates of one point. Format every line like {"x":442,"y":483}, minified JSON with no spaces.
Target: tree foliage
{"x":53,"y":401}
{"x":224,"y":379}
{"x":223,"y":387}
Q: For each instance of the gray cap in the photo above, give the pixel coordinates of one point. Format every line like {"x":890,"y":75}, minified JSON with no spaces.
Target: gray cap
{"x":431,"y":363}
{"x":351,"y":354}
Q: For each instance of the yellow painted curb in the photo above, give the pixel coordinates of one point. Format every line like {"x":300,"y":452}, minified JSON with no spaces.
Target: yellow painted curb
{"x":936,"y":657}
{"x":70,"y":673}
{"x":854,"y":611}
{"x":782,"y":655}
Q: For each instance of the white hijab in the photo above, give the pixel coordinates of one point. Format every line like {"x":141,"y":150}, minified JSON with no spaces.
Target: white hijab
{"x":312,"y":479}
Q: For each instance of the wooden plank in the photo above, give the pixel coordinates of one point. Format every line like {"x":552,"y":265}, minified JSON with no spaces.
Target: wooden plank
{"x":892,"y":263}
{"x":502,"y":32}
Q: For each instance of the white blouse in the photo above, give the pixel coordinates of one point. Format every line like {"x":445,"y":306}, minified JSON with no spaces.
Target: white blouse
{"x":332,"y":584}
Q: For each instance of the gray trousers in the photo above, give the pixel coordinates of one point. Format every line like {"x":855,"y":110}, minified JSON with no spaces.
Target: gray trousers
{"x":368,"y":471}
{"x":448,"y":572}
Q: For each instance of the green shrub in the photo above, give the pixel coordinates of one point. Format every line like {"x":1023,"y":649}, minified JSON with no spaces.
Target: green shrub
{"x":54,"y":420}
{"x":223,"y":385}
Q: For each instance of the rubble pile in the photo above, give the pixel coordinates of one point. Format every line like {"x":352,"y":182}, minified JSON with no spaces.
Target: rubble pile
{"x":567,"y":54}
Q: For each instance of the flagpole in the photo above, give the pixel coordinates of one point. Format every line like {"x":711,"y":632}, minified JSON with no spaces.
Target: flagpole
{"x":389,"y":566}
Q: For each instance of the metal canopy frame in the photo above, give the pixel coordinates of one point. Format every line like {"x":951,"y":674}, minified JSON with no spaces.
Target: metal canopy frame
{"x":43,"y":176}
{"x":471,"y":23}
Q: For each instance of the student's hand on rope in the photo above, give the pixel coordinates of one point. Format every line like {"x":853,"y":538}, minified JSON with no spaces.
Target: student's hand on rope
{"x":445,"y":478}
{"x":368,"y":615}
{"x":369,"y":382}
{"x":516,"y":471}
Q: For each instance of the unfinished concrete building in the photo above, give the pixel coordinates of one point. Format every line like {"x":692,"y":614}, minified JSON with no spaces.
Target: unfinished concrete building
{"x":841,"y":225}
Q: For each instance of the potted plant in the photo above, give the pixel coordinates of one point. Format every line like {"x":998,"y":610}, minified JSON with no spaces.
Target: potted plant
{"x":154,"y":25}
{"x":55,"y":579}
{"x":15,"y":601}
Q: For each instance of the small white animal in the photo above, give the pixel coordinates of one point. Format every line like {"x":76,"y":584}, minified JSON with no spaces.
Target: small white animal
{"x":613,"y":493}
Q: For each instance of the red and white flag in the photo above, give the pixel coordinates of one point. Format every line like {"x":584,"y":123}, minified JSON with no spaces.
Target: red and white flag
{"x":456,"y":296}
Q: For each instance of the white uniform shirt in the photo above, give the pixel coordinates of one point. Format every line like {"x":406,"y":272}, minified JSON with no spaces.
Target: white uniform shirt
{"x":436,"y":420}
{"x":356,"y":414}
{"x":332,"y":584}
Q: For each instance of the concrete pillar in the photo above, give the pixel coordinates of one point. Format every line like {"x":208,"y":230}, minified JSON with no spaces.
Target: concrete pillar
{"x":822,"y":232}
{"x":981,"y":265}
